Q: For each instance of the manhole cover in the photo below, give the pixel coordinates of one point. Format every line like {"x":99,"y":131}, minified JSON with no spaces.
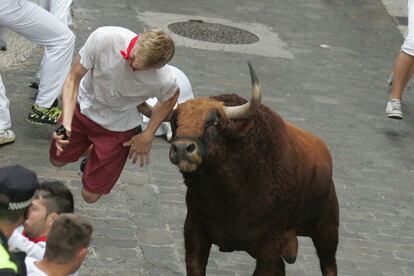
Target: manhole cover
{"x":212,"y":32}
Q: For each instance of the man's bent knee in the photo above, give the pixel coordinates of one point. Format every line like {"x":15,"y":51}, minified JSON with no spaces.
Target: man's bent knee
{"x":56,"y":163}
{"x":90,"y":197}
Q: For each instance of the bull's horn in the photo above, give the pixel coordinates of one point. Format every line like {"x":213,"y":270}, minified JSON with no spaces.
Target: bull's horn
{"x":245,"y":110}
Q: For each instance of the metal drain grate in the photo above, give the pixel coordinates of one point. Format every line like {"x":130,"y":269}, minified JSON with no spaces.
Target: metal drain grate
{"x":212,"y":32}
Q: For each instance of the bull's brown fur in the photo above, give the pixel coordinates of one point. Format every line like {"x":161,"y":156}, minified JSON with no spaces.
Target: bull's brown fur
{"x":261,"y":182}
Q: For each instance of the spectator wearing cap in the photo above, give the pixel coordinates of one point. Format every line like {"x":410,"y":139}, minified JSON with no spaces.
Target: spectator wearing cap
{"x":50,"y":200}
{"x":17,"y":186}
{"x":66,"y":248}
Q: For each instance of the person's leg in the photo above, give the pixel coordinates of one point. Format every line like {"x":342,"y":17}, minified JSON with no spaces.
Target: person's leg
{"x":5,"y":122}
{"x":41,"y":27}
{"x":61,"y":10}
{"x":90,"y":197}
{"x":105,"y":162}
{"x":6,"y":135}
{"x":44,"y":4}
{"x":70,"y":18}
{"x":403,"y":69}
{"x":3,"y":43}
{"x":56,"y":60}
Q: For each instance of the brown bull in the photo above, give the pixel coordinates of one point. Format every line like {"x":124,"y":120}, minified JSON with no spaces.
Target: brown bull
{"x":254,"y":183}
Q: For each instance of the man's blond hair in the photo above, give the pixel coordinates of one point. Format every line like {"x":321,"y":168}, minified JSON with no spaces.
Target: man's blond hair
{"x":156,"y":48}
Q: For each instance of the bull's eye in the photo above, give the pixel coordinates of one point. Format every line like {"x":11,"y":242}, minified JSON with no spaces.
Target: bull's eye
{"x":214,"y":123}
{"x":213,"y":120}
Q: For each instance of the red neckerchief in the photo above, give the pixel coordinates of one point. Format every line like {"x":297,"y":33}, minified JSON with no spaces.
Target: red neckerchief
{"x":131,"y":45}
{"x":35,"y":240}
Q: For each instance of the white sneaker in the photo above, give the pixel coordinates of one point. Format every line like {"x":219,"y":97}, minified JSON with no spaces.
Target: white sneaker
{"x":393,"y":109}
{"x":7,"y":136}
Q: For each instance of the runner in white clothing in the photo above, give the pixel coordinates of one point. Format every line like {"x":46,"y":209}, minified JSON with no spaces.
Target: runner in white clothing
{"x":41,"y":27}
{"x":186,"y":93}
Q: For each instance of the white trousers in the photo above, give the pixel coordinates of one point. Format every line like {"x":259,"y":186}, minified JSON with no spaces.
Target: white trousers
{"x":2,"y":41}
{"x":186,"y":93}
{"x":59,"y":8}
{"x":4,"y":108}
{"x":408,"y":45}
{"x":41,"y":27}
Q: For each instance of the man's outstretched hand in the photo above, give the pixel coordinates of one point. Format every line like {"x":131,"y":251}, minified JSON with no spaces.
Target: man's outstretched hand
{"x":140,"y":148}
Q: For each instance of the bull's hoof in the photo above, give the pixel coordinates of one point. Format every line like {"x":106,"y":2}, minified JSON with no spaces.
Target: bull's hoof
{"x":290,"y":259}
{"x":290,"y":250}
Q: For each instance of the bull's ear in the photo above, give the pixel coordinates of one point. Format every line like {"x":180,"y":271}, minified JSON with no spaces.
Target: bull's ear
{"x":239,"y":128}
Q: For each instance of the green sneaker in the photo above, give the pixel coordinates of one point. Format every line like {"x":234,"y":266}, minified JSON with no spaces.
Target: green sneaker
{"x":40,"y":115}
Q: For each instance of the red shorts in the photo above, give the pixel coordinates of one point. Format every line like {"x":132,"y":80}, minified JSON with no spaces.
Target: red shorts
{"x":108,"y":155}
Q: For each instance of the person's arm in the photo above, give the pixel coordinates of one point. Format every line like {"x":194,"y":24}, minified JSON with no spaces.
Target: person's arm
{"x":21,"y":243}
{"x":141,"y":143}
{"x":69,"y":96}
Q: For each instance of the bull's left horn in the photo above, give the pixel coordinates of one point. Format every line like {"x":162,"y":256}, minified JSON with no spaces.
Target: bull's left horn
{"x":245,"y":110}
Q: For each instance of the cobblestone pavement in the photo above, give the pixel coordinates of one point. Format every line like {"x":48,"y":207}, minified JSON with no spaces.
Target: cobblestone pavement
{"x":322,"y":65}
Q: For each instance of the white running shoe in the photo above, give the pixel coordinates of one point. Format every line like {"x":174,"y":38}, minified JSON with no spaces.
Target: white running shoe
{"x":393,"y":109}
{"x":7,"y":136}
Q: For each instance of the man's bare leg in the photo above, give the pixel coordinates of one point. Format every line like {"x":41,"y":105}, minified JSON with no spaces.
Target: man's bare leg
{"x":90,"y":197}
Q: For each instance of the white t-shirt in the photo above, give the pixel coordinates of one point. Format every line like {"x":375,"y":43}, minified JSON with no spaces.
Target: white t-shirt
{"x":32,"y":269}
{"x":110,"y":91}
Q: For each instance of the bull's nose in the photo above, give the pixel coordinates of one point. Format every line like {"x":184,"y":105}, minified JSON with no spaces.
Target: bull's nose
{"x":181,"y":150}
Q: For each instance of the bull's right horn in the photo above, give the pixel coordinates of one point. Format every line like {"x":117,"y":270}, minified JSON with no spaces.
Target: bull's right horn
{"x":245,"y":110}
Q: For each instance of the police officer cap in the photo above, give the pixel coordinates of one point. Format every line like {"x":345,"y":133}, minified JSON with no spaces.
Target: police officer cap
{"x":17,"y":186}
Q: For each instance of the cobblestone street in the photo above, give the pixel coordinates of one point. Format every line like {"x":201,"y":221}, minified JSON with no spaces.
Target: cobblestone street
{"x":322,"y":65}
